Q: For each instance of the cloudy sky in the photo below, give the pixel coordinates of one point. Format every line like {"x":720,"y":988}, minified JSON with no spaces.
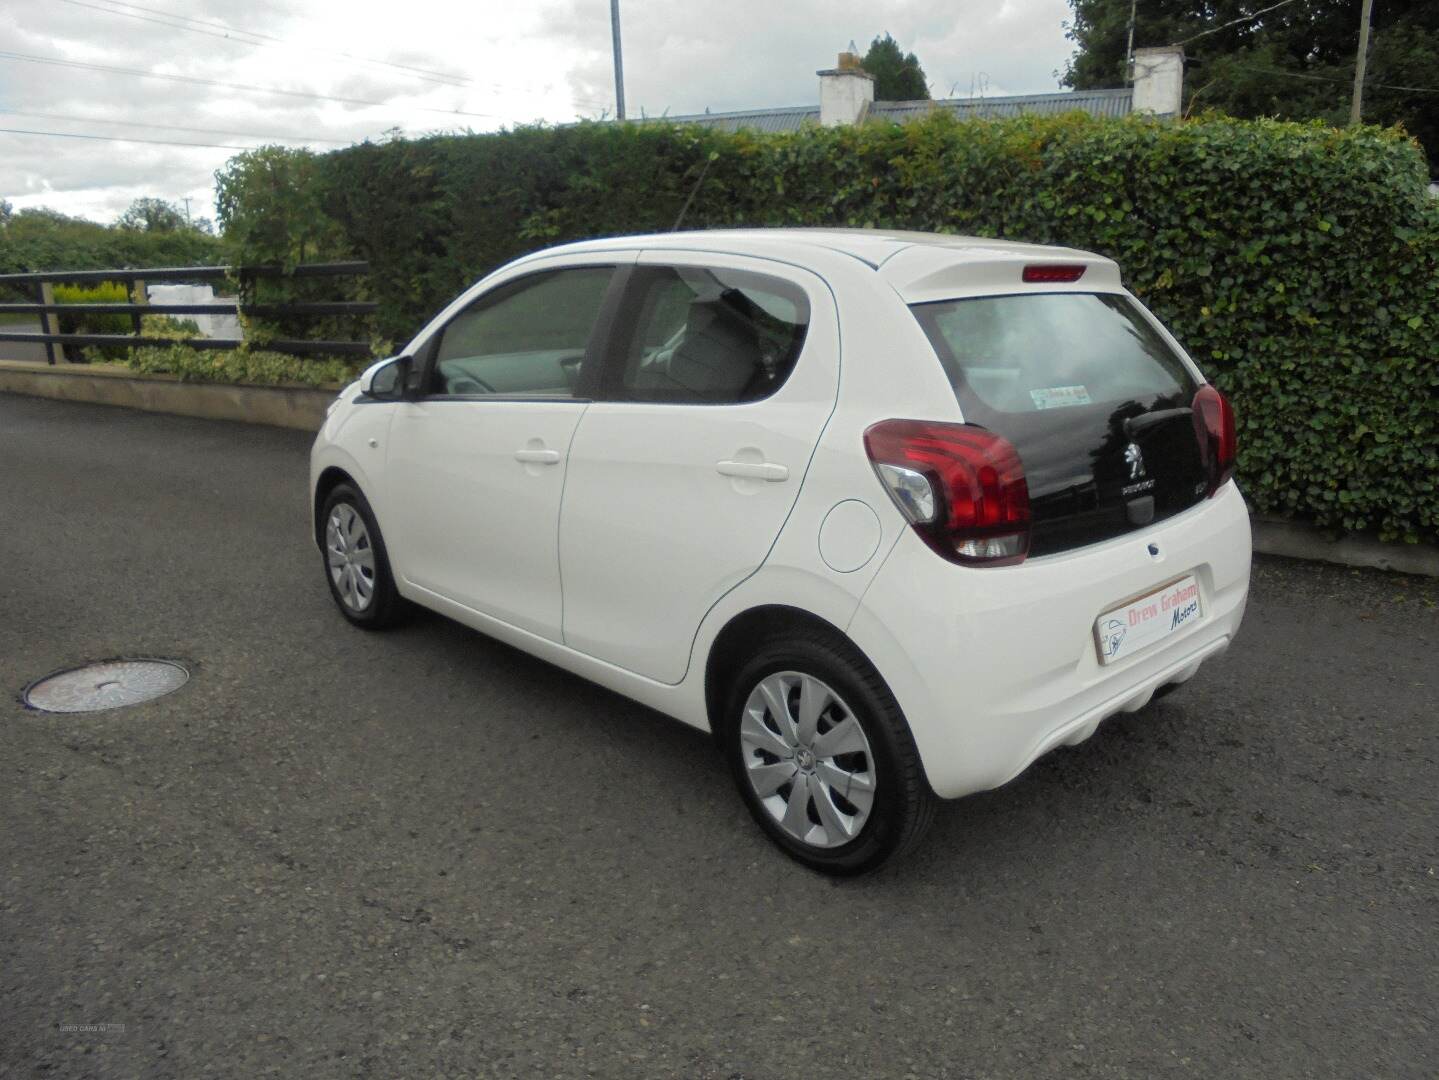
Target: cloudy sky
{"x":426,"y":65}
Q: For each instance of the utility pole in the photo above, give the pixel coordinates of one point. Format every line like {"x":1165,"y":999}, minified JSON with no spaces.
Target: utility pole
{"x":187,"y":210}
{"x":1360,"y":63}
{"x":1129,"y":49}
{"x":620,"y":63}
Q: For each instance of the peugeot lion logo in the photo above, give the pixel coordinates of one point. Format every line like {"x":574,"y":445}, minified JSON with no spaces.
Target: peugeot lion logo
{"x":1134,"y":458}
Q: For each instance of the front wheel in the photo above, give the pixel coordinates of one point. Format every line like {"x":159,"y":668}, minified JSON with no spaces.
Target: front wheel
{"x":823,"y":756}
{"x":357,"y":567}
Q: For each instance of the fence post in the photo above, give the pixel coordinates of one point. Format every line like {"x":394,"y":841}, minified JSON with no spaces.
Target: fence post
{"x":50,"y":324}
{"x":138,"y":295}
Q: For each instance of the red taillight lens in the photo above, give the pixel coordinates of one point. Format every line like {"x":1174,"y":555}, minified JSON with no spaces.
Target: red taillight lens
{"x":960,"y":486}
{"x":1041,"y":273}
{"x":1214,"y":427}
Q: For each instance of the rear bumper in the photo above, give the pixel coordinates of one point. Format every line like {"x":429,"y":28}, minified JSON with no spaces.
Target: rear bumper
{"x":994,"y":667}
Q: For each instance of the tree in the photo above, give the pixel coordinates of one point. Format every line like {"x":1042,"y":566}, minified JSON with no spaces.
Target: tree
{"x":153,"y":215}
{"x":7,"y":209}
{"x":1296,"y":62}
{"x":268,"y":201}
{"x":39,"y":238}
{"x":897,"y":75}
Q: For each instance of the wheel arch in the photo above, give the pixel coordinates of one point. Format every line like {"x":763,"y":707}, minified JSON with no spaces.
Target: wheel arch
{"x":329,"y":479}
{"x":728,"y":651}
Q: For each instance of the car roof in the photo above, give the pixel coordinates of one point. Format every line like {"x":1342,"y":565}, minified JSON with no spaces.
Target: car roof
{"x":874,"y":247}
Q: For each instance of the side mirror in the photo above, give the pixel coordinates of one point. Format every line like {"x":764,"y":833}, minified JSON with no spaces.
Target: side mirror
{"x":390,"y":380}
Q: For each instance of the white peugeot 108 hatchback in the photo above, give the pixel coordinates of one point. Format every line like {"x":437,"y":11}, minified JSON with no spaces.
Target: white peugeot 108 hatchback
{"x":890,"y":514}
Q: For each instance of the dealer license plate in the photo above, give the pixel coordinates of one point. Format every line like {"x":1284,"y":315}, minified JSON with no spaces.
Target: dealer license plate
{"x":1140,"y":623}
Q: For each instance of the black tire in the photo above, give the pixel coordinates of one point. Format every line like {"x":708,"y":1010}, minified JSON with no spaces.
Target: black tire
{"x":385,"y":606}
{"x":903,"y":802}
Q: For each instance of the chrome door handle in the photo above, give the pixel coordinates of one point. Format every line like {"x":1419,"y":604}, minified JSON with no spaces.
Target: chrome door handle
{"x":538,"y":457}
{"x":753,"y":470}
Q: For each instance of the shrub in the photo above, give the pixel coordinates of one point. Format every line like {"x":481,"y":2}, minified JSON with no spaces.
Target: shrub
{"x":1298,"y":263}
{"x":167,"y":326}
{"x":34,"y":240}
{"x":106,"y":292}
{"x":255,"y":367}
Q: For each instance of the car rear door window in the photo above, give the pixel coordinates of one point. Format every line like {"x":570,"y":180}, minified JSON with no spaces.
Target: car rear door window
{"x":705,"y":335}
{"x":527,"y":338}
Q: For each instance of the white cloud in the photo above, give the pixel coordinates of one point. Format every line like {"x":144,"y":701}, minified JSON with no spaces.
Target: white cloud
{"x":524,"y":62}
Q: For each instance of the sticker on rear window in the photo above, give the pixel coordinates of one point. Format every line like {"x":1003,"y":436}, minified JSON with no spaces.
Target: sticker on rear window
{"x":1057,"y":397}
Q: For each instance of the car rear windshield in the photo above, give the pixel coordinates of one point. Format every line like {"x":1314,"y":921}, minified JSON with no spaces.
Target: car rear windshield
{"x":1092,"y":397}
{"x":1040,"y":351}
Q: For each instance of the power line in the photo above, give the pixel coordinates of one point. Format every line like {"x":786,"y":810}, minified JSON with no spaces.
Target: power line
{"x":1232,"y":22}
{"x":117,"y":138}
{"x":171,"y":127}
{"x":269,"y":41}
{"x":1317,"y":78}
{"x":195,"y":81}
{"x":264,"y":41}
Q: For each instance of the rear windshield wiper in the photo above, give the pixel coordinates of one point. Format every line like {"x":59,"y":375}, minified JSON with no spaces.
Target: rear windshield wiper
{"x":1135,"y":424}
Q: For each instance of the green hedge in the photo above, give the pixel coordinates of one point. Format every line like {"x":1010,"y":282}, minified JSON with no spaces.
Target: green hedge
{"x":106,"y":292}
{"x":1298,"y":263}
{"x":34,"y":240}
{"x":249,"y":365}
{"x":253,"y":367}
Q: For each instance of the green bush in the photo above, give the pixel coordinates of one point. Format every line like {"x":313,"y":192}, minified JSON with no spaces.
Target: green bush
{"x":249,"y":365}
{"x":106,"y":292}
{"x":255,"y":367}
{"x":1297,"y":262}
{"x":167,"y":326}
{"x":34,"y":240}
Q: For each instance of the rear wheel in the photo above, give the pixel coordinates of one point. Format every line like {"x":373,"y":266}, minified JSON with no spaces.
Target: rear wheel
{"x":357,"y":567}
{"x":823,"y":756}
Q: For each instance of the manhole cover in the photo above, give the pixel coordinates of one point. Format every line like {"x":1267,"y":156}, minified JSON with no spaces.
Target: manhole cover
{"x":111,"y":684}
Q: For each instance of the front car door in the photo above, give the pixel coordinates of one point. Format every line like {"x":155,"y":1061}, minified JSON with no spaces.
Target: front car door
{"x":477,"y":463}
{"x":720,"y":376}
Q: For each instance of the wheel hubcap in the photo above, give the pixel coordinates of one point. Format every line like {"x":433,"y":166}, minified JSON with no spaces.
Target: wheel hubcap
{"x":351,"y":557}
{"x":808,"y":759}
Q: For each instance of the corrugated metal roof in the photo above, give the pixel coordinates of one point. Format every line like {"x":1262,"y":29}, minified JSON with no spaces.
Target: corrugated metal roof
{"x":788,"y":119}
{"x":1094,"y":102}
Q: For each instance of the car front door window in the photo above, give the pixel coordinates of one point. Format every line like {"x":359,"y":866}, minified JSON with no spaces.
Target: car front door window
{"x":527,"y":338}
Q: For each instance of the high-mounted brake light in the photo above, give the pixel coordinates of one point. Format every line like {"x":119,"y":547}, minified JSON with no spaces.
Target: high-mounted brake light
{"x":960,"y":486}
{"x":1214,"y":428}
{"x":1044,"y":274}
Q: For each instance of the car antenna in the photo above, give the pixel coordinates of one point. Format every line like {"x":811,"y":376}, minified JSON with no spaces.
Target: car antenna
{"x":714,"y":156}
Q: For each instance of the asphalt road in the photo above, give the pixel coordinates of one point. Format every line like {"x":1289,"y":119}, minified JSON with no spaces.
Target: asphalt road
{"x":423,"y":853}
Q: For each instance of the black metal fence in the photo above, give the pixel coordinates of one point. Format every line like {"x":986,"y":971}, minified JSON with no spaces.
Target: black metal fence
{"x":41,"y":285}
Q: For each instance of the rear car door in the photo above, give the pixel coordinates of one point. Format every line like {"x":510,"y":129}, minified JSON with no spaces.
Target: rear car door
{"x":477,"y":463}
{"x":721,"y":374}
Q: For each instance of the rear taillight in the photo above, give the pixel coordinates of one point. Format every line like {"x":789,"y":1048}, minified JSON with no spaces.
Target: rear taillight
{"x":1214,"y":427}
{"x":960,"y":486}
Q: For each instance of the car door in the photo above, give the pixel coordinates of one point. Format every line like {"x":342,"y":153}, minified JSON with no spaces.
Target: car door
{"x":720,"y":375}
{"x":477,"y":462}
